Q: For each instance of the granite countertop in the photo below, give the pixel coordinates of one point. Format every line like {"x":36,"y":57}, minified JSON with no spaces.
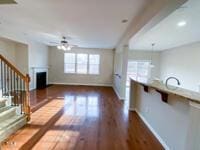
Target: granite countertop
{"x":190,"y":95}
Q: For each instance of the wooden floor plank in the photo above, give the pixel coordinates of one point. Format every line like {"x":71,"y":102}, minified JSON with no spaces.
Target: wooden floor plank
{"x":81,"y":118}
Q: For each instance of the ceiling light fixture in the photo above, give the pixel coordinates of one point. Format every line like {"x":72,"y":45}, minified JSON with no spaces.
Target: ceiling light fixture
{"x":152,"y":52}
{"x":59,"y":47}
{"x":181,"y":23}
{"x":64,"y":45}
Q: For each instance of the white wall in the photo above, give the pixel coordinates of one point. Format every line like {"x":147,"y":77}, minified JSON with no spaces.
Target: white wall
{"x":169,"y":121}
{"x":120,"y":66}
{"x":38,"y":54}
{"x":21,"y":57}
{"x":16,"y":53}
{"x":147,"y":55}
{"x":145,"y":20}
{"x":183,"y":63}
{"x":25,"y":56}
{"x":7,"y":49}
{"x":56,"y":70}
{"x":38,"y":58}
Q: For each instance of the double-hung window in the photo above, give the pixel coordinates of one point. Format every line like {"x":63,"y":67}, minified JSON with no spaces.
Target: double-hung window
{"x":94,"y":61}
{"x":138,"y":70}
{"x":69,"y":63}
{"x":82,"y":63}
{"x":143,"y":71}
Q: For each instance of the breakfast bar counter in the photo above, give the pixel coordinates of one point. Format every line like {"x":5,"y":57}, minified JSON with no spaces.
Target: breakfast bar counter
{"x":162,"y":88}
{"x":170,"y":112}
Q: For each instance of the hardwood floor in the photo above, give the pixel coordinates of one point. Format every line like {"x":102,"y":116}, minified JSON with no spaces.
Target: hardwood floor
{"x":81,"y":118}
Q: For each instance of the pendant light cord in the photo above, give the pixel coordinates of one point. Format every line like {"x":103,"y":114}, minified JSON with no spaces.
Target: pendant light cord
{"x":153,"y":44}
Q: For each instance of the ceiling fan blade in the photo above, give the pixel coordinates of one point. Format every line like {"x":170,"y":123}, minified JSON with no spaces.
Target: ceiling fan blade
{"x":54,"y":43}
{"x":8,"y":2}
{"x":73,"y":46}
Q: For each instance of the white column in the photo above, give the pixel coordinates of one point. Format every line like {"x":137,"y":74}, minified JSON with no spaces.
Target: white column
{"x":0,"y":91}
{"x":133,"y":95}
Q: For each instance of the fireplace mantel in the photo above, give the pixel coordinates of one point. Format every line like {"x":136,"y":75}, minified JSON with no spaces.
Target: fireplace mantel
{"x":39,"y":68}
{"x":34,"y":71}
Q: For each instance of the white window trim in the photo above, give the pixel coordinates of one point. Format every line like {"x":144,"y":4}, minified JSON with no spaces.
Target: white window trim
{"x":88,"y":65}
{"x":149,"y":69}
{"x":70,"y":63}
{"x":76,"y":54}
{"x":94,"y":64}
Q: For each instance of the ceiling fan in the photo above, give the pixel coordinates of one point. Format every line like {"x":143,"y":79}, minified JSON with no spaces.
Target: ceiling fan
{"x":64,"y":45}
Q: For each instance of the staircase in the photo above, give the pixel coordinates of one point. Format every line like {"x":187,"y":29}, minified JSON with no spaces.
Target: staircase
{"x":14,"y":99}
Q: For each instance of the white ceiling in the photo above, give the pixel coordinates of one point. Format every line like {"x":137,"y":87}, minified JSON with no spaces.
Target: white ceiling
{"x":88,"y":23}
{"x":167,"y":34}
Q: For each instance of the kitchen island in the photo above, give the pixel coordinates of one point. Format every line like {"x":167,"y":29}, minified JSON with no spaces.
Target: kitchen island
{"x":171,"y":113}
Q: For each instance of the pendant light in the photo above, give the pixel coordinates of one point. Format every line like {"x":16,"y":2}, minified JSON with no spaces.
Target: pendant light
{"x":152,"y":51}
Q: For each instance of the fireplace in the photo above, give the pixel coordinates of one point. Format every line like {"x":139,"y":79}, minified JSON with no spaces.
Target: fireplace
{"x":41,"y":80}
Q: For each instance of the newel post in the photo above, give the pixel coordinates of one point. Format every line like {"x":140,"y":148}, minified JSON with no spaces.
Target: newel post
{"x":28,"y":110}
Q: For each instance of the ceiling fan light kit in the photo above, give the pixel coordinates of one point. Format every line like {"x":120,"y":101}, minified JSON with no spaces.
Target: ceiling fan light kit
{"x":64,"y":45}
{"x":151,"y":65}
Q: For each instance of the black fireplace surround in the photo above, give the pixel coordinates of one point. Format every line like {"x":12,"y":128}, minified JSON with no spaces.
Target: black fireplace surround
{"x":41,"y":80}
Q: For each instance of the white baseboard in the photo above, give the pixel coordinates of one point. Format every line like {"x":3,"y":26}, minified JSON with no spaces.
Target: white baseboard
{"x":32,"y":89}
{"x":118,"y":95}
{"x":166,"y":147}
{"x":84,"y":84}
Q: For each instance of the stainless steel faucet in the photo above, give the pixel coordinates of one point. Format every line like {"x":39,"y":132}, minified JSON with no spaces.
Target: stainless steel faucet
{"x":166,"y":83}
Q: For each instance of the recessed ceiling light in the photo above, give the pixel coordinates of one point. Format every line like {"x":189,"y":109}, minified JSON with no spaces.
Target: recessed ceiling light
{"x":125,"y":21}
{"x":181,"y":23}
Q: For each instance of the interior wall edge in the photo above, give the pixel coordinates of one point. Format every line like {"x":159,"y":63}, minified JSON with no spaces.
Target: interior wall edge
{"x":166,"y":147}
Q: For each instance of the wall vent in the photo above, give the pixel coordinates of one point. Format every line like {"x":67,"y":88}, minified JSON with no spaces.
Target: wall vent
{"x":7,"y":2}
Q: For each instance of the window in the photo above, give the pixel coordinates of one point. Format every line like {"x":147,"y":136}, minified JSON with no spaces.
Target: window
{"x":81,"y":63}
{"x":94,"y":62}
{"x":143,"y":71}
{"x":69,"y":66}
{"x":138,"y":70}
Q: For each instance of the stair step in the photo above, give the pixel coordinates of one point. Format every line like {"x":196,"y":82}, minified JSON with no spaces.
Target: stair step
{"x":2,"y":109}
{"x":3,"y":102}
{"x":10,"y":121}
{"x":11,"y":126}
{"x":7,"y":114}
